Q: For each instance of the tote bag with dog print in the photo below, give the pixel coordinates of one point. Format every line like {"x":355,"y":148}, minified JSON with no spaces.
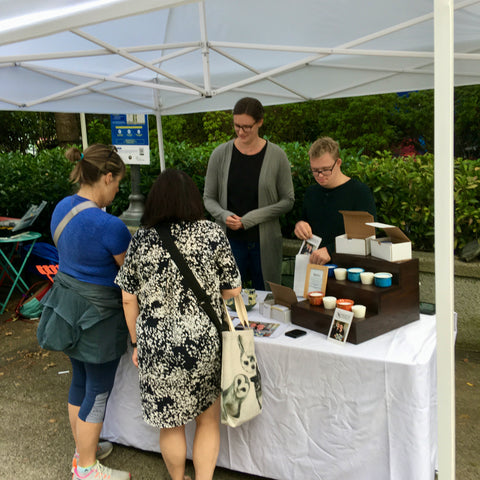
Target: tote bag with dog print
{"x":241,"y":397}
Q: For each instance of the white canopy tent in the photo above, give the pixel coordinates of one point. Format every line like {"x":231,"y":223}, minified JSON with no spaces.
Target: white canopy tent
{"x":170,"y":57}
{"x":150,"y":56}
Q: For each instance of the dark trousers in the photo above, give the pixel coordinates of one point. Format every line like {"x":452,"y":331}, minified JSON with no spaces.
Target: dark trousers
{"x":247,"y":256}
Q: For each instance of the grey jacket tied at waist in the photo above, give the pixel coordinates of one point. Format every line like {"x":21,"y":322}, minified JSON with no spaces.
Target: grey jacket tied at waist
{"x":84,"y":320}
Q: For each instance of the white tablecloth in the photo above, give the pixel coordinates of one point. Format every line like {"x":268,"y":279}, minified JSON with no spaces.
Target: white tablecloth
{"x":350,"y":412}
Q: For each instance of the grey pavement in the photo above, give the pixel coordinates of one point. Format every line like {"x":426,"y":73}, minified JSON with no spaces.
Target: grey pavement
{"x":35,"y":437}
{"x":35,"y":440}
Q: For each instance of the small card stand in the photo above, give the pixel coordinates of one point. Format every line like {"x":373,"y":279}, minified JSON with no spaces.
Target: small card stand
{"x":340,"y":326}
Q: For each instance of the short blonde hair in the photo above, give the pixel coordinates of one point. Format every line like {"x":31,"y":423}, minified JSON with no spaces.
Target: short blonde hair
{"x":324,"y":145}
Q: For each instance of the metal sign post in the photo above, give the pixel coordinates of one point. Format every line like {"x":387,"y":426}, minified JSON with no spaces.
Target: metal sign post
{"x":130,"y":136}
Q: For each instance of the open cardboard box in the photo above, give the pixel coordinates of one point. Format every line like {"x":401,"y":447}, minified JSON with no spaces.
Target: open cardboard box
{"x":395,"y":247}
{"x":284,"y":297}
{"x":358,"y":233}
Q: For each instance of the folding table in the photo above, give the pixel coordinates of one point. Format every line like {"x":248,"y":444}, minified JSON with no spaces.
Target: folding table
{"x":350,"y":412}
{"x":8,"y":246}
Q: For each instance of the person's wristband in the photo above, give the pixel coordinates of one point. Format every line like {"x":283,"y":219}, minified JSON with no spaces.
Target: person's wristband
{"x":133,"y":344}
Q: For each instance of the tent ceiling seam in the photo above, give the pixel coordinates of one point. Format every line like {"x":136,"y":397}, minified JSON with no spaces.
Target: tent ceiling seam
{"x":275,"y":71}
{"x":254,"y":70}
{"x":336,"y":92}
{"x":98,"y":80}
{"x":114,"y":79}
{"x":138,"y":61}
{"x":187,"y":46}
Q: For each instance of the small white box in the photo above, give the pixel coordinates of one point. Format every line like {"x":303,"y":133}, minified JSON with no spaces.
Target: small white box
{"x":280,"y":313}
{"x":265,"y":308}
{"x":353,"y":246}
{"x":394,"y":248}
{"x":358,"y":233}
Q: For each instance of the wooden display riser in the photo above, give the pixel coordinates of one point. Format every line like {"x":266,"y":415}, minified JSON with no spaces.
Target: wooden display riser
{"x":387,"y":308}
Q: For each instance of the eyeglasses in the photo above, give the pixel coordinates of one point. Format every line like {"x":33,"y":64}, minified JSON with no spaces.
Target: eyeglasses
{"x":245,"y":128}
{"x":326,"y":172}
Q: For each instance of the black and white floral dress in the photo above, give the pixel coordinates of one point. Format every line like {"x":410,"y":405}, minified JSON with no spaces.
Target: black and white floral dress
{"x":178,"y":345}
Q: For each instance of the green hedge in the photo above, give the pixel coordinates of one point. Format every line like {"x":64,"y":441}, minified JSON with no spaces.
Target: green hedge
{"x":403,"y":187}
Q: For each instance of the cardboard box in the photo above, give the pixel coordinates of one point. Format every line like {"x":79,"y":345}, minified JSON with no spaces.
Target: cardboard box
{"x":358,"y":233}
{"x":284,"y":298}
{"x":393,"y":248}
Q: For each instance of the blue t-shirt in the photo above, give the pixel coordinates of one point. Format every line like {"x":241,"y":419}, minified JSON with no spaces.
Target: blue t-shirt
{"x":89,"y":241}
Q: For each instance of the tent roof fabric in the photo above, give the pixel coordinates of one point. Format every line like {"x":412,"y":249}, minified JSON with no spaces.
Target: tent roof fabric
{"x":171,"y":57}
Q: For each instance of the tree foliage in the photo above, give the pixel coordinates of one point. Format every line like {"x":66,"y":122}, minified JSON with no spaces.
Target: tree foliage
{"x":26,"y":131}
{"x":467,"y":121}
{"x":403,"y":187}
{"x":368,"y":124}
{"x":373,"y":131}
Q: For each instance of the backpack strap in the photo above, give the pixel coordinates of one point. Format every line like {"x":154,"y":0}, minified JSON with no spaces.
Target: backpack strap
{"x":76,"y":209}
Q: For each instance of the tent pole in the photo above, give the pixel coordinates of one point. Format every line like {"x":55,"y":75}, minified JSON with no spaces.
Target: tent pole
{"x":444,"y":235}
{"x":205,"y":49}
{"x":158,"y":116}
{"x":161,"y":150}
{"x":83,"y":127}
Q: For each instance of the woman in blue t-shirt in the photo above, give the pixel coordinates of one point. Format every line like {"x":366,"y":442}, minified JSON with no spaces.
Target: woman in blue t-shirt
{"x":83,"y":311}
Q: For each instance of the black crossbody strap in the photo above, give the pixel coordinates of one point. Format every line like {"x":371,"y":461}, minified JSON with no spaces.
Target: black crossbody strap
{"x":190,"y":280}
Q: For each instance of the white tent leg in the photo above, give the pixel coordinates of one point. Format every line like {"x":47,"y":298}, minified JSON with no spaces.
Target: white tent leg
{"x":444,"y":234}
{"x":161,"y":150}
{"x":83,"y":126}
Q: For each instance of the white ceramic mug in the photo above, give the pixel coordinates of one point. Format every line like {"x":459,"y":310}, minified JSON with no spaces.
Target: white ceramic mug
{"x":340,"y":273}
{"x":359,"y":311}
{"x":329,"y":302}
{"x":367,"y":278}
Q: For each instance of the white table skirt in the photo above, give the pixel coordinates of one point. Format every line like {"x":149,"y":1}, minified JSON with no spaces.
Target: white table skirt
{"x":350,"y":412}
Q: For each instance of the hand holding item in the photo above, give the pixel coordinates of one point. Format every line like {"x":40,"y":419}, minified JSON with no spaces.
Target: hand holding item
{"x":234,"y":222}
{"x":320,"y":256}
{"x":303,"y":231}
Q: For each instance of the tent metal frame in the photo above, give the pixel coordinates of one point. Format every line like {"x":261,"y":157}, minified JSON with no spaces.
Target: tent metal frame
{"x":440,"y":61}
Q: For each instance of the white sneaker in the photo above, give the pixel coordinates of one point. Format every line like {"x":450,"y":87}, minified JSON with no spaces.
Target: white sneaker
{"x":101,"y":472}
{"x":104,"y":449}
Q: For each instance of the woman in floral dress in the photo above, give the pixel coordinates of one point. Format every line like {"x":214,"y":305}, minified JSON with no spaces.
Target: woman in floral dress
{"x":176,"y":344}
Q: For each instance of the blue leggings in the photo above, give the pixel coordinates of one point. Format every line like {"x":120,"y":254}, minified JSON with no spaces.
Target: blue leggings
{"x":90,"y":388}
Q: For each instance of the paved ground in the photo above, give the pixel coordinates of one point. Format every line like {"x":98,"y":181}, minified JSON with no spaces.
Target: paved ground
{"x":34,"y":430}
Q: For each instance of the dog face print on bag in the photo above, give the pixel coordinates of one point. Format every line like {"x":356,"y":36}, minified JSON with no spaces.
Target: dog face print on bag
{"x":233,"y":397}
{"x":248,"y":361}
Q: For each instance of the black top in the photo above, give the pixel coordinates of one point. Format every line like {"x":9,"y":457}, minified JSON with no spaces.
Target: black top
{"x":242,"y":190}
{"x":321,"y":208}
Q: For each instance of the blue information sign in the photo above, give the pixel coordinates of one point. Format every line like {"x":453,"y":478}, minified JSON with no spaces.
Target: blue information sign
{"x":130,"y":136}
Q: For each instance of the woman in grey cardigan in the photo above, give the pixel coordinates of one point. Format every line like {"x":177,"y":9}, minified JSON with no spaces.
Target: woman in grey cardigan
{"x":247,"y":187}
